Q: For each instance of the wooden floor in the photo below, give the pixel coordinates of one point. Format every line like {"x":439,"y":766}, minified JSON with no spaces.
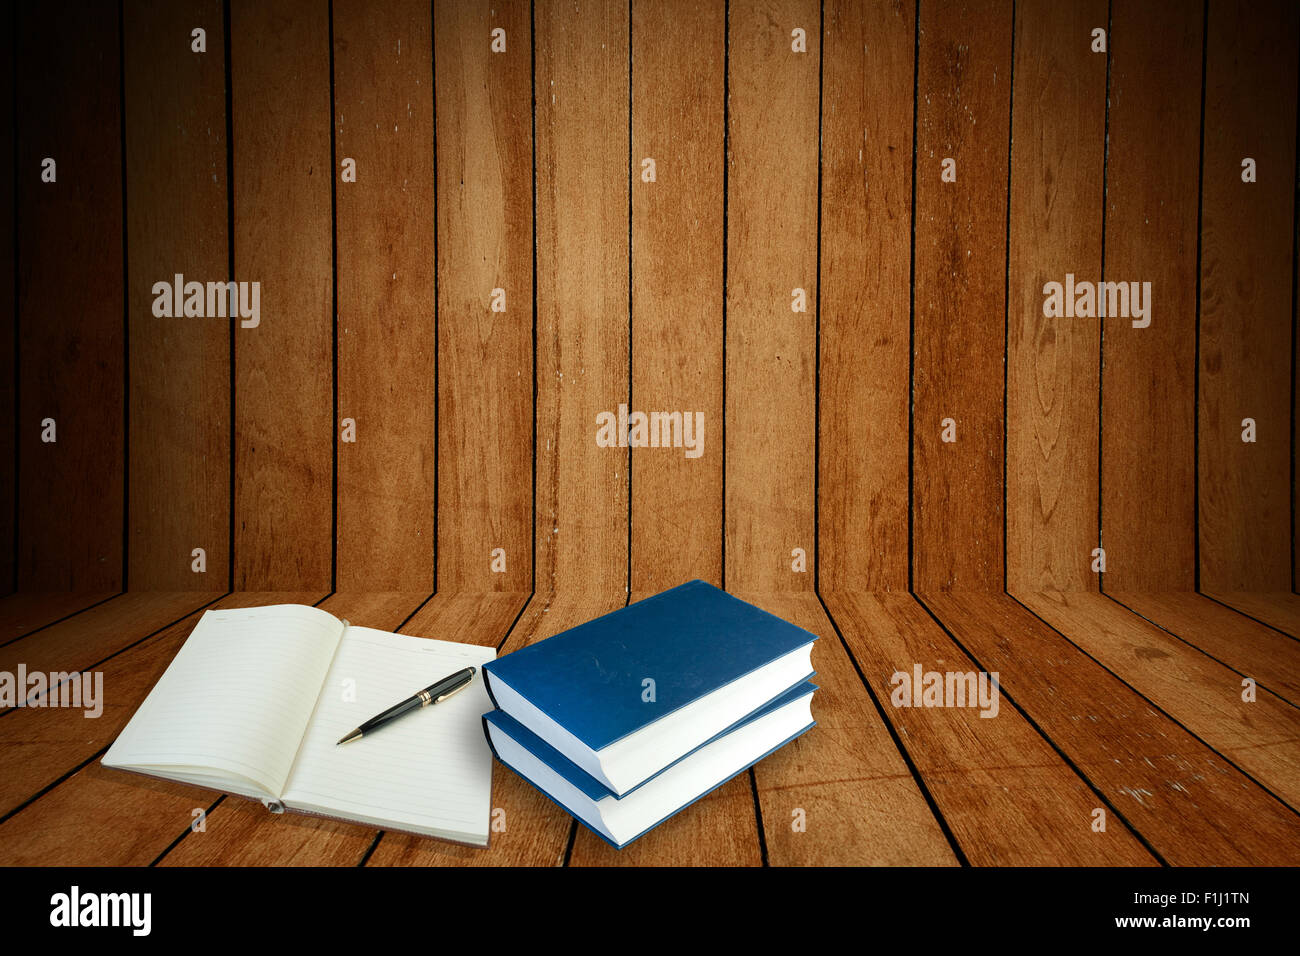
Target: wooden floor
{"x":1128,"y":704}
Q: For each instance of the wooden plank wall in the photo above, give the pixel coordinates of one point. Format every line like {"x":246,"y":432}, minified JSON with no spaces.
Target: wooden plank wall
{"x":1053,"y":364}
{"x":960,"y":309}
{"x":177,"y":223}
{"x":8,"y":312}
{"x":1121,"y":437}
{"x":1148,"y":374}
{"x":1246,"y":301}
{"x":70,"y":344}
{"x":384,"y":317}
{"x":865,"y":328}
{"x":285,"y":367}
{"x":485,"y":242}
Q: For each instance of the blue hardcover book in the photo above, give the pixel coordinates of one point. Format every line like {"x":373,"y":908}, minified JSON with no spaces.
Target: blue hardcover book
{"x":620,"y":821}
{"x":628,"y":694}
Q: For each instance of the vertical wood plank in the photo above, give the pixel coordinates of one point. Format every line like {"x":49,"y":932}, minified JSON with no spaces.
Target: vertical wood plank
{"x":70,"y":307}
{"x":963,"y":109}
{"x":383,"y":111}
{"x":1147,"y":378}
{"x":582,"y":293}
{"x":8,"y":315}
{"x":771,"y":251}
{"x":179,"y":454}
{"x":485,"y":242}
{"x":677,"y":234}
{"x":284,"y":368}
{"x":1246,"y":271}
{"x":867,"y":115}
{"x":1057,"y":169}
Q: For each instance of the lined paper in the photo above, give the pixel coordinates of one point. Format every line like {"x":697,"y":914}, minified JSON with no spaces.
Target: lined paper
{"x":237,"y":697}
{"x":429,"y":771}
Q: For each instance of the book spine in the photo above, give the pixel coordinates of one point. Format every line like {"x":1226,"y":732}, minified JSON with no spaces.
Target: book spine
{"x":487,"y":732}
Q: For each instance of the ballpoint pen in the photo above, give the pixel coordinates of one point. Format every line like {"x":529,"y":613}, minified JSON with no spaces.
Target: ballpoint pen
{"x":435,"y":693}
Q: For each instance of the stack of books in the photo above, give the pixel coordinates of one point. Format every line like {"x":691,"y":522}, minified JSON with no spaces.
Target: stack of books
{"x":631,"y":717}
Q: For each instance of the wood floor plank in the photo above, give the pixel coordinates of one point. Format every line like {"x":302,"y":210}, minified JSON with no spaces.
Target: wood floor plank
{"x":1189,"y":804}
{"x":1008,"y":796}
{"x":242,"y":832}
{"x":28,"y":611}
{"x":860,"y":804}
{"x":80,"y":642}
{"x":37,"y":748}
{"x":1279,"y":609}
{"x":1246,"y":646}
{"x":536,"y":831}
{"x":96,"y":818}
{"x":1199,"y":693}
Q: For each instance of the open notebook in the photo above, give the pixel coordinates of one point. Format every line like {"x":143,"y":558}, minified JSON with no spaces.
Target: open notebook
{"x":257,"y":698}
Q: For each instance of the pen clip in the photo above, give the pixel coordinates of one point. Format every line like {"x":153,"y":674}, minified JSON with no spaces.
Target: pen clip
{"x":441,"y":697}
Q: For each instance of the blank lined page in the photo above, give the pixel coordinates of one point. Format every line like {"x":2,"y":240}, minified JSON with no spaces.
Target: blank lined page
{"x":429,"y":771}
{"x":237,"y":697}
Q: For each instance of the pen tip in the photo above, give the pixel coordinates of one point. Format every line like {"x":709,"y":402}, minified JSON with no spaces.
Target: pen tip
{"x":351,"y":735}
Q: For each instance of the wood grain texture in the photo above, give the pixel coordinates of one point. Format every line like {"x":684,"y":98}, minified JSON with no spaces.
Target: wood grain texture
{"x":81,"y":642}
{"x":963,"y":103}
{"x":1201,"y":694}
{"x":8,"y":317}
{"x":98,"y":816}
{"x":485,"y":225}
{"x":70,"y":300}
{"x":1246,"y":289}
{"x":284,"y":369}
{"x":1147,"y":464}
{"x":581,"y":504}
{"x":1248,"y":647}
{"x":1008,"y":797}
{"x":678,"y":51}
{"x":867,"y":114}
{"x":1279,"y":609}
{"x":387,"y":349}
{"x":1055,"y":228}
{"x":1191,"y":806}
{"x":861,"y":805}
{"x":771,"y":356}
{"x":177,"y":220}
{"x":28,"y":611}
